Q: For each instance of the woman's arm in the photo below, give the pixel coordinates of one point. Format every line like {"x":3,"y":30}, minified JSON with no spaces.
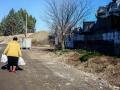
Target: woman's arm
{"x":19,"y":51}
{"x":6,"y":49}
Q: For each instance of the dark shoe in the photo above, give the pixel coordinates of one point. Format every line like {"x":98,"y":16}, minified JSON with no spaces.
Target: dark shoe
{"x":10,"y":70}
{"x":18,"y":68}
{"x":4,"y":67}
{"x":14,"y":71}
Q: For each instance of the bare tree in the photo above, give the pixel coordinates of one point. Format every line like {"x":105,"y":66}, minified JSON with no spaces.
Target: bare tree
{"x":64,"y":15}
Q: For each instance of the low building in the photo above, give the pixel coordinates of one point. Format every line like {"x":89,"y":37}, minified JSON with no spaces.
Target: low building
{"x":102,"y":35}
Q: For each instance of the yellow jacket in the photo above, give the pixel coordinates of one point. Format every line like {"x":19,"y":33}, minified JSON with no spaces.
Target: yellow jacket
{"x":13,"y":49}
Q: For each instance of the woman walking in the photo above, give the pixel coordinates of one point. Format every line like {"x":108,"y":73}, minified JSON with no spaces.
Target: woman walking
{"x":13,"y":53}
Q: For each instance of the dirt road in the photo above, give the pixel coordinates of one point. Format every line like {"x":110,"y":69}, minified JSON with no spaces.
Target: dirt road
{"x":43,"y":73}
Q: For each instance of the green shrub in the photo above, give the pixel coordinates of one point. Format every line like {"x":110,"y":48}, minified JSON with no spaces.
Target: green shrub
{"x":88,"y":55}
{"x":84,"y":58}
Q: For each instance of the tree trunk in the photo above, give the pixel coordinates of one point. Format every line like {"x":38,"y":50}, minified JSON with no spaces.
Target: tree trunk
{"x":63,"y":44}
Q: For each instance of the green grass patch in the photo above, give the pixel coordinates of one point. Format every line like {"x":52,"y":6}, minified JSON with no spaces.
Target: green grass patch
{"x":86,"y":56}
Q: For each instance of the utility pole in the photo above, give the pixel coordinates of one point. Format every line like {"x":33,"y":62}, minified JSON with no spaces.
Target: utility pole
{"x":26,"y":27}
{"x":26,"y":42}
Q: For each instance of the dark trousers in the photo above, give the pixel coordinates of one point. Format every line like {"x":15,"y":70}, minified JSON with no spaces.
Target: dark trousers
{"x":12,"y":61}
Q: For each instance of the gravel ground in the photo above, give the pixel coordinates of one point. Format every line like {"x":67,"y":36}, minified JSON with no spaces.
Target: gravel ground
{"x":43,"y":73}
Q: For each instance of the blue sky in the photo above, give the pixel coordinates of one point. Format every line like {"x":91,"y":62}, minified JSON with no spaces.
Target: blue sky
{"x":37,"y":7}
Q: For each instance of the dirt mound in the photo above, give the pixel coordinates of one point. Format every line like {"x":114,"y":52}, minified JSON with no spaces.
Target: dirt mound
{"x":6,"y":39}
{"x":1,"y":38}
{"x":72,"y":58}
{"x":40,"y":38}
{"x":104,"y":66}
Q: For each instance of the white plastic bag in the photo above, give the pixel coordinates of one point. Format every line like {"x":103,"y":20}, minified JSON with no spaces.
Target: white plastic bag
{"x":4,"y":58}
{"x":21,"y":61}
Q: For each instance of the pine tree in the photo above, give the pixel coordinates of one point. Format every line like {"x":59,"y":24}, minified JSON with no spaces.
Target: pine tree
{"x":14,"y":23}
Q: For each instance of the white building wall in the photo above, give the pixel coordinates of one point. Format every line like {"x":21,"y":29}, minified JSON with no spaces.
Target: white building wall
{"x":112,"y":36}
